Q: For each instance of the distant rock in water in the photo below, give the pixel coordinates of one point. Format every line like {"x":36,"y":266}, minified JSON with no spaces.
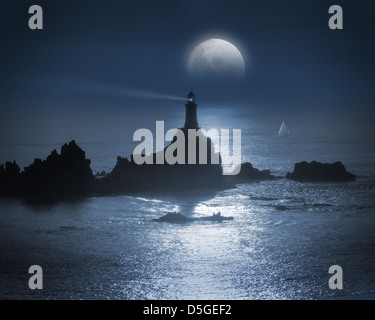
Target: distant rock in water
{"x":217,"y":217}
{"x":248,"y":172}
{"x":317,"y":171}
{"x":173,"y":217}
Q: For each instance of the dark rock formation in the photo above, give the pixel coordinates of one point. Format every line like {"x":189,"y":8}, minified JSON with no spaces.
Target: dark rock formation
{"x":100,"y":174}
{"x":57,"y":177}
{"x":68,"y":174}
{"x":125,"y":177}
{"x":317,"y":171}
{"x":9,"y":178}
{"x":248,"y":172}
{"x":217,"y":217}
{"x":173,"y":217}
{"x":128,"y":176}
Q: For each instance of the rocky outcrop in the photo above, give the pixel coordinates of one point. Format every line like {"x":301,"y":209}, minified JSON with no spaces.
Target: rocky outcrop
{"x":320,"y":172}
{"x":173,"y":217}
{"x":68,"y":174}
{"x":59,"y":176}
{"x":9,"y":178}
{"x":128,"y":176}
{"x":248,"y":172}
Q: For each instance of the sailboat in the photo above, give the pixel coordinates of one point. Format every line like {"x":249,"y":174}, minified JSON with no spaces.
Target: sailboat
{"x":283,"y":130}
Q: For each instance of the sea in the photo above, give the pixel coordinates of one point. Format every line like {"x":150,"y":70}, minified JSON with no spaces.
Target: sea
{"x":283,"y":239}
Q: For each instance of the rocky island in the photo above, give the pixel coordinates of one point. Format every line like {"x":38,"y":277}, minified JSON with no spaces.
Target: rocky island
{"x":320,"y":172}
{"x":68,"y":174}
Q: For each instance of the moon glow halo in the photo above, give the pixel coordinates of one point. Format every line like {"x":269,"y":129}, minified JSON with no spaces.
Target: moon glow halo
{"x":216,"y":58}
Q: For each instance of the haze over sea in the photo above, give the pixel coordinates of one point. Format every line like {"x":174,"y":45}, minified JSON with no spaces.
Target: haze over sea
{"x":284,"y":236}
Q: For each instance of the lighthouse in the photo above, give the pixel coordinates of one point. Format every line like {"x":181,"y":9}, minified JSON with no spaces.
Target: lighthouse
{"x":191,"y":121}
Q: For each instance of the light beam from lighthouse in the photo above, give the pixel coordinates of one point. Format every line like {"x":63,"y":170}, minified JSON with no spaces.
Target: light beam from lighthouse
{"x":191,"y":121}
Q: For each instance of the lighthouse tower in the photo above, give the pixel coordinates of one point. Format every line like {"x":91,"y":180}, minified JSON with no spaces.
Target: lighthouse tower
{"x":191,"y":121}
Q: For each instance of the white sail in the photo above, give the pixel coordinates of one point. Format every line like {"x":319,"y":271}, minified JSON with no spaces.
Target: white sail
{"x":283,"y":130}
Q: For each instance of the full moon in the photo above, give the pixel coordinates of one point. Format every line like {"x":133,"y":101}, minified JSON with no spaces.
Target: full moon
{"x":216,"y":58}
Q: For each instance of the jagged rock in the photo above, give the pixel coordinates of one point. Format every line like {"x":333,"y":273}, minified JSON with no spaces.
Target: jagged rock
{"x":57,"y":177}
{"x":317,"y":171}
{"x":100,"y":174}
{"x":125,"y":177}
{"x":71,"y":152}
{"x":248,"y":172}
{"x":69,"y":173}
{"x":128,"y":176}
{"x":9,"y":178}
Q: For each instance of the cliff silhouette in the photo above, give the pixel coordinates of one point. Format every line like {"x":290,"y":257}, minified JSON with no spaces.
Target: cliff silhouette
{"x":68,"y":174}
{"x":60,"y":176}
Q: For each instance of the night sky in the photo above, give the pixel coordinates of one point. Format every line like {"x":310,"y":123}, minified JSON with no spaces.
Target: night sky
{"x":89,"y":49}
